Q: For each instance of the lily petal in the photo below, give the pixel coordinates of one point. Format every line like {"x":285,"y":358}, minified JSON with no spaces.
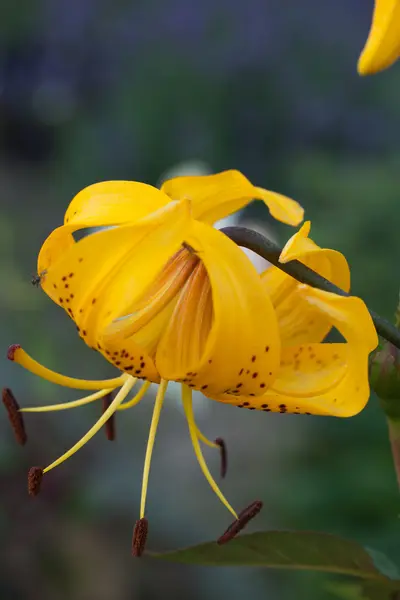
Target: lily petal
{"x":217,"y":196}
{"x":223,"y":333}
{"x":98,"y":276}
{"x":382,"y":48}
{"x":114,"y":202}
{"x":300,"y":322}
{"x":100,"y":204}
{"x":324,"y":379}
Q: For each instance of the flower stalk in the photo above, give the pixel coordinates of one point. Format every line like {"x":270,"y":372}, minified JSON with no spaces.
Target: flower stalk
{"x":394,"y":437}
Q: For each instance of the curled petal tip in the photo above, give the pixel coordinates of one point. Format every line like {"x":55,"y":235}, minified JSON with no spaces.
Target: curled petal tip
{"x":12,"y":350}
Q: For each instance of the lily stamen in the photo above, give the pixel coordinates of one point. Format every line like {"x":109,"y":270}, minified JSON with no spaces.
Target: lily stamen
{"x":137,"y":398}
{"x":68,"y":405}
{"x":162,"y":388}
{"x":188,"y":407}
{"x":109,"y":426}
{"x":14,"y":416}
{"x":244,"y":517}
{"x":224,"y":456}
{"x":35,"y":477}
{"x":220,"y":445}
{"x":18,"y":355}
{"x":139,"y":537}
{"x":123,"y":392}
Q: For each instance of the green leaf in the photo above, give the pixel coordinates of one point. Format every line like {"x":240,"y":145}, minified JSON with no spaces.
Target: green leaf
{"x":301,"y":550}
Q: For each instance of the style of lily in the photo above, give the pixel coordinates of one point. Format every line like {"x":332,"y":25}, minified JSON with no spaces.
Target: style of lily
{"x":166,"y":297}
{"x":382,"y":48}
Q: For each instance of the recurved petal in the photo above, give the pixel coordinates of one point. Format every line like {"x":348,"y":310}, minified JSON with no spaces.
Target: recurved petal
{"x":100,"y":204}
{"x":101,"y":274}
{"x":55,"y":246}
{"x":382,"y":48}
{"x":217,"y":196}
{"x":114,"y":202}
{"x":324,"y":379}
{"x":223,"y":333}
{"x":299,"y":322}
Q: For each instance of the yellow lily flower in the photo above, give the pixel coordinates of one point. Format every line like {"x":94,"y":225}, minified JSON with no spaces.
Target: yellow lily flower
{"x":382,"y":48}
{"x":315,"y":378}
{"x":163,"y":296}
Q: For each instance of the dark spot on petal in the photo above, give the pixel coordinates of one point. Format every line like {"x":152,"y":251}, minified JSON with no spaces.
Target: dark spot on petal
{"x":255,"y":375}
{"x":253,"y":358}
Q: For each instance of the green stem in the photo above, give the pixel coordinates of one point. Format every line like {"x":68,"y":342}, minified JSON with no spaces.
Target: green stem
{"x":267,"y":249}
{"x":394,"y":437}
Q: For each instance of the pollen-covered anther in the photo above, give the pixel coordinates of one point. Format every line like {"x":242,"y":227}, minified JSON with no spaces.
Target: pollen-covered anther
{"x":12,"y":350}
{"x":15,"y":417}
{"x":139,"y":537}
{"x":224,"y":456}
{"x":245,"y":516}
{"x":109,"y":427}
{"x":35,"y":477}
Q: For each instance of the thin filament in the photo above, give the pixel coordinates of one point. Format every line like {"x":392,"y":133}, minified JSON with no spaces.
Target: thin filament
{"x":123,"y":392}
{"x":188,"y":407}
{"x":205,"y":440}
{"x":26,"y":361}
{"x":67,"y":405}
{"x":162,"y":388}
{"x":137,"y":398}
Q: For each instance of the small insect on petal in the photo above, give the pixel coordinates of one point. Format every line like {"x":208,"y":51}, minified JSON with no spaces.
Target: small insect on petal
{"x":35,"y":477}
{"x":224,"y":456}
{"x":14,"y":416}
{"x":37,"y":279}
{"x":139,"y":536}
{"x":245,"y":516}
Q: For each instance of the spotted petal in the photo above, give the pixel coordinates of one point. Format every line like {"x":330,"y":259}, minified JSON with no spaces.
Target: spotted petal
{"x":98,"y":276}
{"x":223,"y":333}
{"x":382,"y":48}
{"x":299,"y":321}
{"x":217,"y":196}
{"x":324,"y":379}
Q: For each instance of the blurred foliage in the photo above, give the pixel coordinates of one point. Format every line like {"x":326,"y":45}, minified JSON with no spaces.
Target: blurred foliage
{"x":93,"y":90}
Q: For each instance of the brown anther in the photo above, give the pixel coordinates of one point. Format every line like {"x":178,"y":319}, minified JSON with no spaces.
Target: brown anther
{"x":12,"y":350}
{"x":109,"y":427}
{"x":224,"y":456}
{"x":15,"y":417}
{"x":35,"y":477}
{"x":245,"y":516}
{"x":139,"y":537}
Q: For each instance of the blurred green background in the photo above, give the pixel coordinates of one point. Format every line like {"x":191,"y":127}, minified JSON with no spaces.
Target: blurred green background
{"x":93,"y":90}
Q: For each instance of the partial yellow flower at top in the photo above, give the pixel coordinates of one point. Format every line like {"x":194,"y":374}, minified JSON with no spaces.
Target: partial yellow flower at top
{"x":382,"y":48}
{"x":315,"y":377}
